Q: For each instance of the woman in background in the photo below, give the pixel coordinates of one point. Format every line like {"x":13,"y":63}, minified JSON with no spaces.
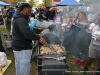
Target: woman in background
{"x":83,"y":20}
{"x":94,"y":48}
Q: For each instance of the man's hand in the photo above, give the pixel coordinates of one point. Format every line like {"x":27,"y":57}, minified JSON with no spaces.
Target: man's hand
{"x":42,"y":40}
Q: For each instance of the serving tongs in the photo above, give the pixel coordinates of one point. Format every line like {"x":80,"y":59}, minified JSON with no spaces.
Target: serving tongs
{"x":51,"y":47}
{"x":47,"y":45}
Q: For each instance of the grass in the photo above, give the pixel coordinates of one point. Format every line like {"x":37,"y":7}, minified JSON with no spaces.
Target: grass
{"x":34,"y":69}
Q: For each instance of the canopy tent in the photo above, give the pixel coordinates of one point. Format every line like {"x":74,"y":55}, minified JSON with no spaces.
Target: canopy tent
{"x":4,"y":4}
{"x":69,"y":3}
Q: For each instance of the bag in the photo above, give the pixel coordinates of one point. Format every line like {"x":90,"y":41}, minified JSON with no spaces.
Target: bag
{"x":33,"y":24}
{"x":3,"y":59}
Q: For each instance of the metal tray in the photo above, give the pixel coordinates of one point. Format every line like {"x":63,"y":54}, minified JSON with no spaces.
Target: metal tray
{"x":38,"y":51}
{"x":36,"y":54}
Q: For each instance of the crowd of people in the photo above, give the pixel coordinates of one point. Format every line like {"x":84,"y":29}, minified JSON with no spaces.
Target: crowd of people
{"x":77,"y":17}
{"x":23,"y":36}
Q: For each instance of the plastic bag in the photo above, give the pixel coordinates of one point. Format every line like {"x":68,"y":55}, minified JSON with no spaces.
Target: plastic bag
{"x":33,"y":23}
{"x":3,"y":59}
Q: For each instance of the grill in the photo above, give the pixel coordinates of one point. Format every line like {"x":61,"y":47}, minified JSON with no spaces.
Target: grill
{"x":76,"y":41}
{"x":50,"y":64}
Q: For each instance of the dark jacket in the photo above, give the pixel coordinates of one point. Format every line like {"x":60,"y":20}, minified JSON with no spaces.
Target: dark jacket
{"x":22,"y":35}
{"x":42,"y":18}
{"x":8,"y":23}
{"x":49,"y":15}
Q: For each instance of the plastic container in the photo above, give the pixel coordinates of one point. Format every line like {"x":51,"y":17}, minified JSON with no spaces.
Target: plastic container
{"x":0,"y":68}
{"x":8,"y":44}
{"x":3,"y":59}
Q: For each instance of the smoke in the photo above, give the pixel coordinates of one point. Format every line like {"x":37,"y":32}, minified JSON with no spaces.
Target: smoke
{"x":66,"y":18}
{"x":67,"y":15}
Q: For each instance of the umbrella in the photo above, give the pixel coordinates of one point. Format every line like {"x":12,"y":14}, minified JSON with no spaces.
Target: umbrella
{"x":69,"y":3}
{"x":4,"y":4}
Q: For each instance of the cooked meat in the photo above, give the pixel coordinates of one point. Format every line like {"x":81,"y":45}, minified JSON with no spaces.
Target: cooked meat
{"x":44,"y":45}
{"x":47,"y":50}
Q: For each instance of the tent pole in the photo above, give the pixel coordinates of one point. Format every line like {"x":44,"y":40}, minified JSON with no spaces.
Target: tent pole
{"x":45,"y":3}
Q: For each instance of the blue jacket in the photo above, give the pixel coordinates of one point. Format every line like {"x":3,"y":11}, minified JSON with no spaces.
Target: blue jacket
{"x":14,"y":14}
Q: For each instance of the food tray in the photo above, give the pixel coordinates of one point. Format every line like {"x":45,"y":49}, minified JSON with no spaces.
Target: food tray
{"x":38,"y":47}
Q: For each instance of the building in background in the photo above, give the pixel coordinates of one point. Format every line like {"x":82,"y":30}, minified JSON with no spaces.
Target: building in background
{"x":55,"y":1}
{"x":9,"y":1}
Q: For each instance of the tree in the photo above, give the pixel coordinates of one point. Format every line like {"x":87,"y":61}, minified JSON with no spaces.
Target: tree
{"x":4,"y":1}
{"x":86,"y":2}
{"x":33,"y":2}
{"x":40,"y":5}
{"x":48,"y":3}
{"x":92,"y":2}
{"x":14,"y":2}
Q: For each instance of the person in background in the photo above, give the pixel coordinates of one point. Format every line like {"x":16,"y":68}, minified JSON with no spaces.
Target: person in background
{"x":1,"y":20}
{"x":37,"y":9}
{"x":92,"y":15}
{"x":58,"y":22}
{"x":17,"y":10}
{"x":70,"y":16}
{"x":8,"y":21}
{"x":54,"y":15}
{"x":48,"y":14}
{"x":33,"y":14}
{"x":84,"y":21}
{"x":22,"y":40}
{"x":64,"y":21}
{"x":75,"y":19}
{"x":2,"y":9}
{"x":42,"y":16}
{"x":1,"y":47}
{"x":71,"y":13}
{"x":9,"y":9}
{"x":4,"y":12}
{"x":94,"y":48}
{"x":64,"y":15}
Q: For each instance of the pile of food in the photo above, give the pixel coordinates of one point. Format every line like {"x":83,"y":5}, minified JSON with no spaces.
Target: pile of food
{"x":47,"y":50}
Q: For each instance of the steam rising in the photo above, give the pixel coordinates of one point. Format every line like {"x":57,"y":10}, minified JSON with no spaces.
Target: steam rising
{"x":68,"y":14}
{"x":66,"y":18}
